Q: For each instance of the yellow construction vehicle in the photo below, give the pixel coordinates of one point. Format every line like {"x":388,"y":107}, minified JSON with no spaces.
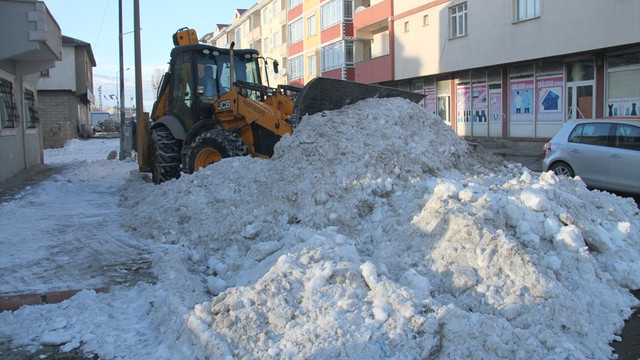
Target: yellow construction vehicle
{"x":212,"y":104}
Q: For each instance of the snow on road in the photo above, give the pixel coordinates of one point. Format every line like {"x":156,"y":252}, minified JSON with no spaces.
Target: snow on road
{"x":374,"y":232}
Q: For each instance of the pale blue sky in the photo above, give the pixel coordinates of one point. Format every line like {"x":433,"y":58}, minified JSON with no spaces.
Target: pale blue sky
{"x":96,"y":22}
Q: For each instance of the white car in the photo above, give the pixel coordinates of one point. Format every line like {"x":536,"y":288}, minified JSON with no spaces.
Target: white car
{"x":605,"y":153}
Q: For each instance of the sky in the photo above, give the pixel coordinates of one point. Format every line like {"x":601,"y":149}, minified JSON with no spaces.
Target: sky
{"x":331,"y":249}
{"x":96,"y":22}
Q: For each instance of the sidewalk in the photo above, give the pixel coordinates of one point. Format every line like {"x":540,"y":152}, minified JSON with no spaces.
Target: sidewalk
{"x":528,"y":153}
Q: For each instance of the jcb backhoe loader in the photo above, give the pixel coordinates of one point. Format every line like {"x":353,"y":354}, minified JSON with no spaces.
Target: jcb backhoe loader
{"x":211,"y":105}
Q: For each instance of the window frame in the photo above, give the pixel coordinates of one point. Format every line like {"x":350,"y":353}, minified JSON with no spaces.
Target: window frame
{"x":334,"y":12}
{"x":458,"y":16}
{"x":9,"y":115}
{"x":296,"y":67}
{"x":296,"y":31}
{"x":312,"y":65}
{"x":526,"y":10}
{"x":31,"y":108}
{"x":337,"y":55}
{"x":311,"y":25}
{"x":266,"y":44}
{"x":291,"y":4}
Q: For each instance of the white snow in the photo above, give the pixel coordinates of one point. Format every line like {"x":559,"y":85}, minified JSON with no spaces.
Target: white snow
{"x":373,"y":232}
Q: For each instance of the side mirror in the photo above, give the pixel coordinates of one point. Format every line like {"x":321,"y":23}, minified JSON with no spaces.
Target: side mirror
{"x":275,"y":66}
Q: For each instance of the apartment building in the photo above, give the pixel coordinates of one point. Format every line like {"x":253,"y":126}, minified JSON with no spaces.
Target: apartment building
{"x":264,"y":28}
{"x":519,"y":68}
{"x":514,"y":69}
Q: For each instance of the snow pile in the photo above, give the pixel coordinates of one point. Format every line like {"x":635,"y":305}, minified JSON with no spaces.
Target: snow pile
{"x":373,"y":232}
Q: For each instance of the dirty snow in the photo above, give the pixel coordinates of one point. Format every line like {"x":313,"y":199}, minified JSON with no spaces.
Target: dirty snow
{"x":374,"y":232}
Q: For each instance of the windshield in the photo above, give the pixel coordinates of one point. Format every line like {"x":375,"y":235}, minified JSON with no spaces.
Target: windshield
{"x":214,"y":72}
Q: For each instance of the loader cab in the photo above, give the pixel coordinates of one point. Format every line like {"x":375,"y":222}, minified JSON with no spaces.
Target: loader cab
{"x":200,"y":74}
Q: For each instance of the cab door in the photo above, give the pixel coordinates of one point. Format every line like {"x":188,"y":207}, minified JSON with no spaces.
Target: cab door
{"x":183,"y":94}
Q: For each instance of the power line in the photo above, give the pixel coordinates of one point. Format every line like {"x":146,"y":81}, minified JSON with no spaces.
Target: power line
{"x":104,"y":15}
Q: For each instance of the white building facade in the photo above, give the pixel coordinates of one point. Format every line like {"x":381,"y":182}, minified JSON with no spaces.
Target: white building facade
{"x":519,"y":68}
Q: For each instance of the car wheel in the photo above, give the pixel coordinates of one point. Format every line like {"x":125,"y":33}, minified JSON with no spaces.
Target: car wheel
{"x":561,"y":168}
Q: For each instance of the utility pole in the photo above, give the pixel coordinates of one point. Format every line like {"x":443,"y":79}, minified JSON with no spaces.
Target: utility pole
{"x":141,"y":122}
{"x":123,"y":153}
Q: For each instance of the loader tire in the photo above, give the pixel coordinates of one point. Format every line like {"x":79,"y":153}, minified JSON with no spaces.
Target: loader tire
{"x":212,"y":146}
{"x":165,"y":155}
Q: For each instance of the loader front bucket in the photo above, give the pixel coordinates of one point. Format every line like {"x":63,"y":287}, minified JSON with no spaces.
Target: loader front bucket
{"x":322,"y":94}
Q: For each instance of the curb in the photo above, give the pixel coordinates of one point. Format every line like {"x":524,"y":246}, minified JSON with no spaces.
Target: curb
{"x":15,"y":302}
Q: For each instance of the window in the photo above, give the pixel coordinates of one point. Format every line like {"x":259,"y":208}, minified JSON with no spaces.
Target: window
{"x":590,"y":134}
{"x":459,"y":20}
{"x":406,"y":26}
{"x":44,"y":73}
{"x":275,"y":38}
{"x":9,"y":117}
{"x":180,"y":87}
{"x":274,"y":10}
{"x":32,"y":110}
{"x":348,"y":9}
{"x":627,"y":137}
{"x":337,"y":55}
{"x":623,"y":85}
{"x":238,"y":37}
{"x":296,"y":67}
{"x":311,"y":25}
{"x":425,"y":20}
{"x":334,"y":12}
{"x":294,"y":3}
{"x":295,"y":31}
{"x":266,"y":44}
{"x":348,"y":53}
{"x":312,"y":65}
{"x":265,"y":15}
{"x":527,"y":9}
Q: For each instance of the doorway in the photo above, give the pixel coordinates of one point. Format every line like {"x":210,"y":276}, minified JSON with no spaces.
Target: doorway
{"x":580,"y":89}
{"x":580,"y":104}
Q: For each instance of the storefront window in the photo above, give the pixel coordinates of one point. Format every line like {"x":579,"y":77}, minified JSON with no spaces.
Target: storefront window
{"x":443,"y":93}
{"x":580,"y":70}
{"x":623,"y":86}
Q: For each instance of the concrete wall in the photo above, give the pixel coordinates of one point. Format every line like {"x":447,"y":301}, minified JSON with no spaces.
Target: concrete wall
{"x":60,"y":76}
{"x":31,"y":42}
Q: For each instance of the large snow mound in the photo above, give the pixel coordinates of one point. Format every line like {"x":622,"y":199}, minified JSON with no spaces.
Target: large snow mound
{"x":376,"y":232}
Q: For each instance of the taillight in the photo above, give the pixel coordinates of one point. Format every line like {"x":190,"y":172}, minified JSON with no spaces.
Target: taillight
{"x":546,"y":149}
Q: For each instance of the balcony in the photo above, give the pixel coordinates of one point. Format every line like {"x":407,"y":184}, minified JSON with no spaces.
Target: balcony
{"x":37,"y":44}
{"x":372,"y":18}
{"x":374,"y":70}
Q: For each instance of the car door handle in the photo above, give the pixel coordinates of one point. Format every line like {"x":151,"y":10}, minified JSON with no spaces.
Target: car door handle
{"x":575,"y":151}
{"x":615,"y":156}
